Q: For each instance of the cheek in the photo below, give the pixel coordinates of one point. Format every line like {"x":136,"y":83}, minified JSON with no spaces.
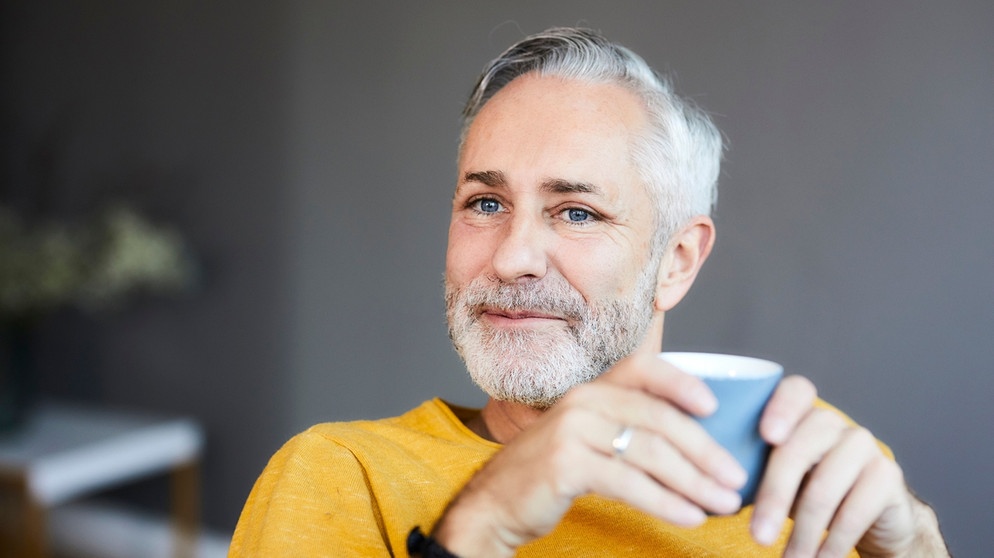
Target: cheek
{"x":466,"y":255}
{"x":597,"y":270}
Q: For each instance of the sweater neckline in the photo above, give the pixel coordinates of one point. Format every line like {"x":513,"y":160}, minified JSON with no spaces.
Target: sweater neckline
{"x":455,"y":415}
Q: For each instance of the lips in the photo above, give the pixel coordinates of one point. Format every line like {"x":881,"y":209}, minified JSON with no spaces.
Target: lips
{"x":519,"y":317}
{"x":520,"y":314}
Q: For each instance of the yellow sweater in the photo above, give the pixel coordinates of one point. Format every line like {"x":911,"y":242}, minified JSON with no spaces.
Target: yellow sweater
{"x":357,"y":489}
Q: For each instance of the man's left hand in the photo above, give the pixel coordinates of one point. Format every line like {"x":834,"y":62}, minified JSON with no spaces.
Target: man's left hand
{"x":837,"y":484}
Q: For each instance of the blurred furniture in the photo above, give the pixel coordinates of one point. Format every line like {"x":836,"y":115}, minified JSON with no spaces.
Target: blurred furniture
{"x":63,"y":452}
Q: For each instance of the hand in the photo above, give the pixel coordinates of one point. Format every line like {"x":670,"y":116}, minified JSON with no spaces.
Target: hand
{"x":832,"y":476}
{"x":672,"y":469}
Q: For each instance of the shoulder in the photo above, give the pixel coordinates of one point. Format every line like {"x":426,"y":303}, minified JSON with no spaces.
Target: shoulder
{"x":359,"y":483}
{"x":416,"y":438}
{"x":433,"y":420}
{"x":327,"y":487}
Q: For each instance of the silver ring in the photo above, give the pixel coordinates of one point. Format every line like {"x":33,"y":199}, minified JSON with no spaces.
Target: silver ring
{"x":622,"y":440}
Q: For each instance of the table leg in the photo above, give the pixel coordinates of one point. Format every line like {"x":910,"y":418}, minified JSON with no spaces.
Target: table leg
{"x":185,"y":496}
{"x":22,"y":520}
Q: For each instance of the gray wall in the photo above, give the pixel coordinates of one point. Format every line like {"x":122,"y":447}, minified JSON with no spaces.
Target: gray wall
{"x":308,"y":149}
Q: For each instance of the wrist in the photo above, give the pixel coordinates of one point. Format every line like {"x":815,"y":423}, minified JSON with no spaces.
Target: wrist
{"x":468,"y":534}
{"x":928,"y":537}
{"x":420,"y":545}
{"x":924,"y":541}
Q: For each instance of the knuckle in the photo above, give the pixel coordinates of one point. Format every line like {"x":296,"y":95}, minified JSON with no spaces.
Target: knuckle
{"x":801,"y":386}
{"x":659,"y":415}
{"x":562,"y":457}
{"x":703,"y":487}
{"x":657,"y":448}
{"x":896,"y":470}
{"x":792,"y":454}
{"x":849,"y":523}
{"x":862,"y":438}
{"x":565,"y":429}
{"x":775,"y":500}
{"x":818,"y":495}
{"x":828,"y":419}
{"x":566,"y":483}
{"x":887,"y":469}
{"x":578,"y":396}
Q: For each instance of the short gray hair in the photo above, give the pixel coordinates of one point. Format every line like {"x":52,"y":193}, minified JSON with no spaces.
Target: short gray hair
{"x":679,"y":158}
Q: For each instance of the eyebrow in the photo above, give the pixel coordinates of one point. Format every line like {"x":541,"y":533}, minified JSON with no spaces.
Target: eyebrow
{"x":561,"y":186}
{"x":496,"y":179}
{"x":491,"y":178}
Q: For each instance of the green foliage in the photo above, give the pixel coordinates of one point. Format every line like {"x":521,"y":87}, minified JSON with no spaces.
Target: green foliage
{"x":93,"y":266}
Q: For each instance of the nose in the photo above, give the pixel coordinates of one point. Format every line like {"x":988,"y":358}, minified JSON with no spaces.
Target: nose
{"x":522,"y":251}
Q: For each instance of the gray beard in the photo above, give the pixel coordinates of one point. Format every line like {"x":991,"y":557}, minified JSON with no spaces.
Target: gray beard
{"x":538,"y":367}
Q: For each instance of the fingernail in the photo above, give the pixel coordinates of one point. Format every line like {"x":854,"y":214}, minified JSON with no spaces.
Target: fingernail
{"x":690,"y":516}
{"x":732,"y":474}
{"x":776,"y":431}
{"x":707,"y":401}
{"x":765,"y":530}
{"x":726,"y":501}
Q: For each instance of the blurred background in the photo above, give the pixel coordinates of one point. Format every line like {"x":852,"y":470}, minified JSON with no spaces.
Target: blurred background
{"x":303,"y":152}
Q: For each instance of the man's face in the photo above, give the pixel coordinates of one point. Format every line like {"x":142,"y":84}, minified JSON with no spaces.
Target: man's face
{"x":548,"y":273}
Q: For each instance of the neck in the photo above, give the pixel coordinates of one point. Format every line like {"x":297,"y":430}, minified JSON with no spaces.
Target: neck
{"x":502,"y":421}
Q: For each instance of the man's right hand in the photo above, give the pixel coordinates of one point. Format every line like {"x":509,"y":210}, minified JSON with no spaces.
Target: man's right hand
{"x":671,"y":468}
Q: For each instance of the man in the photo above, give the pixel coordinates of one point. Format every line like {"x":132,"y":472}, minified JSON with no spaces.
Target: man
{"x":580,"y":216}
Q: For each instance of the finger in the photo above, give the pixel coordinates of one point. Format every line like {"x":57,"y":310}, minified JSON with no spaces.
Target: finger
{"x":826,"y":487}
{"x":787,"y":467}
{"x":791,"y":401}
{"x":601,"y":470}
{"x":867,"y":506}
{"x":648,"y":474}
{"x":621,"y":481}
{"x":668,"y":425}
{"x":657,"y":457}
{"x":653,"y":375}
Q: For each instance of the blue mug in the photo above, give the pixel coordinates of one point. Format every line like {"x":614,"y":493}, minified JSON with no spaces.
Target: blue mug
{"x":743,"y":385}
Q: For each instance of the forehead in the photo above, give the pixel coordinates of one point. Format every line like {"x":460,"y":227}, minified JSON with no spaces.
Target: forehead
{"x":541,"y":127}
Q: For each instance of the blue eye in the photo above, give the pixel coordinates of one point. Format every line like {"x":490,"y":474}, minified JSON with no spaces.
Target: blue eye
{"x":577,"y":215}
{"x":488,"y":206}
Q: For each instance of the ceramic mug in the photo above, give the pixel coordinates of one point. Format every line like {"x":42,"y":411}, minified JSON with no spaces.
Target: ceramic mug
{"x":743,"y":385}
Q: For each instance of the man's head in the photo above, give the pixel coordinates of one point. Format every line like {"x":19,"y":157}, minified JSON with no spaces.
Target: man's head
{"x":580,"y":214}
{"x":678,"y":155}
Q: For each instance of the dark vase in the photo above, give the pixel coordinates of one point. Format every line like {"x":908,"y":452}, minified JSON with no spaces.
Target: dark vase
{"x":16,"y":373}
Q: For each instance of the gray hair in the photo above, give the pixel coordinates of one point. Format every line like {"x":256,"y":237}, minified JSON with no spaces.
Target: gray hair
{"x":678,"y":158}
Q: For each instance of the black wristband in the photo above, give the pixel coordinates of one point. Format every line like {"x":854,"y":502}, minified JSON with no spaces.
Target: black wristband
{"x":424,"y":546}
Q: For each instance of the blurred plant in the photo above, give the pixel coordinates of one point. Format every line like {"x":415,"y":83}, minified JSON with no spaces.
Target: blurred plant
{"x":92,"y":266}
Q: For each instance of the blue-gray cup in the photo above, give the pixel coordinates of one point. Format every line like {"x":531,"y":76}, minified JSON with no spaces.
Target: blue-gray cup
{"x":743,"y":385}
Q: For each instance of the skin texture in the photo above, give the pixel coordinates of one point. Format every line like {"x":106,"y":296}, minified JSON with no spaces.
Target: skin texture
{"x":514,"y":219}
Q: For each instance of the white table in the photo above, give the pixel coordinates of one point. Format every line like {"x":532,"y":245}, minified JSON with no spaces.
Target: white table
{"x":63,"y":452}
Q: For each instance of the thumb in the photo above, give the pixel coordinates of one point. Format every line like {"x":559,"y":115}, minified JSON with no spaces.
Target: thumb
{"x":645,"y":371}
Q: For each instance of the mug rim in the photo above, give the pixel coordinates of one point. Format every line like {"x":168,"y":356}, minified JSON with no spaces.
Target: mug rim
{"x":722,"y":366}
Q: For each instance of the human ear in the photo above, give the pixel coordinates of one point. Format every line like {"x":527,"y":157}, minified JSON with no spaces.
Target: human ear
{"x":683,"y":257}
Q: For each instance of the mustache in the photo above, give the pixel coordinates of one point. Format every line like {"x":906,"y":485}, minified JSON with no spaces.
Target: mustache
{"x":549,"y":295}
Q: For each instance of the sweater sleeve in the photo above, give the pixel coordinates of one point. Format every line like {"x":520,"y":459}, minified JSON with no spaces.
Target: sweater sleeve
{"x":312,"y":499}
